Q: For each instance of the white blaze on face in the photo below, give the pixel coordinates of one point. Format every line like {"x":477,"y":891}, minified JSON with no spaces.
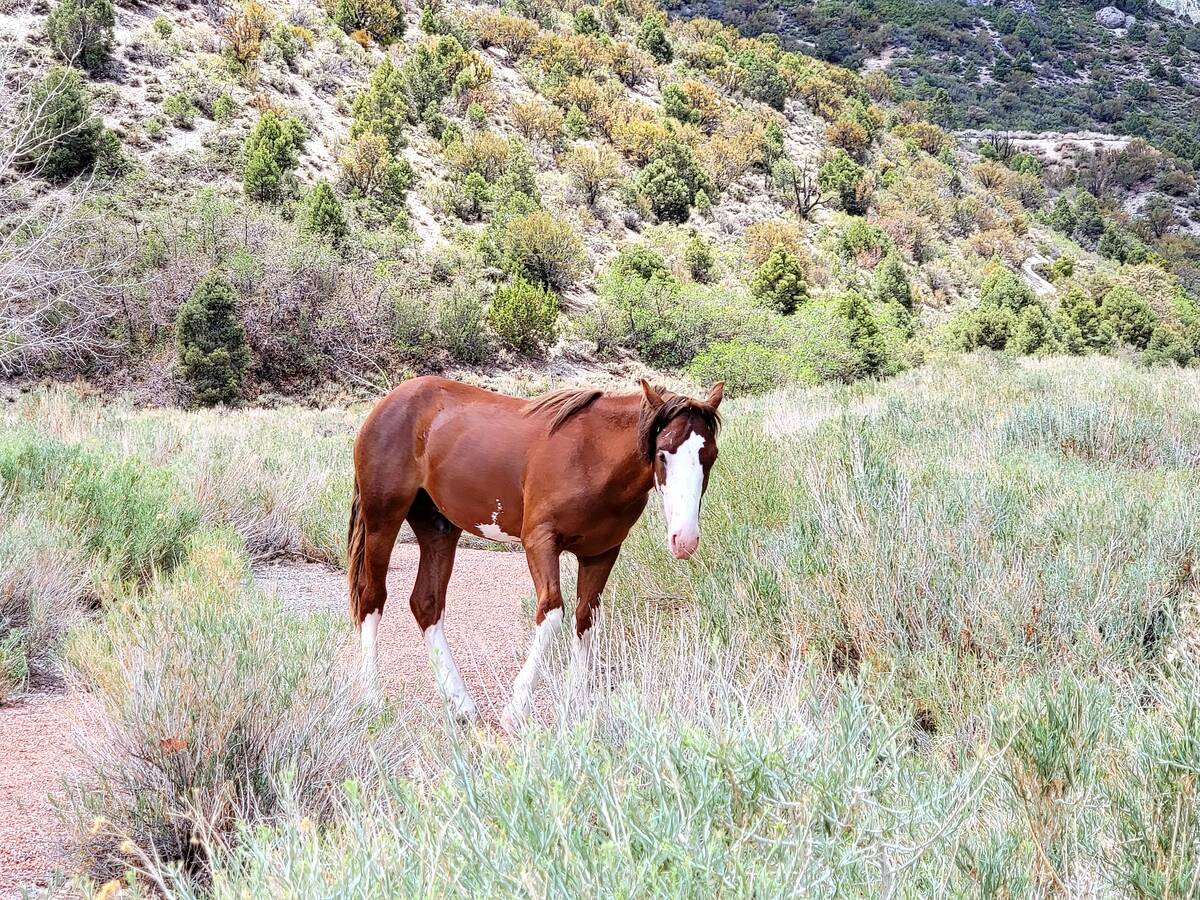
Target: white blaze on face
{"x":683,"y":484}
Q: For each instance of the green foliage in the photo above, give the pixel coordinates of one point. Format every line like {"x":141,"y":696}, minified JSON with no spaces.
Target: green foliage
{"x":861,"y":237}
{"x":322,"y":213}
{"x":1130,"y":316}
{"x":180,"y":110}
{"x":1004,"y":288}
{"x":460,"y":328}
{"x":843,"y":177}
{"x":652,"y":37}
{"x":761,"y":81}
{"x":587,"y":21}
{"x":864,"y":334}
{"x":62,"y":132}
{"x":667,"y":193}
{"x":779,"y":282}
{"x":576,"y":125}
{"x":211,"y":342}
{"x":675,"y":104}
{"x":285,"y":43}
{"x":641,"y":261}
{"x":1118,"y":244}
{"x":380,"y":107}
{"x":699,"y":258}
{"x":542,"y":248}
{"x":381,"y":19}
{"x":746,"y":367}
{"x":271,"y":151}
{"x":525,"y":316}
{"x":1095,"y":332}
{"x":111,"y":161}
{"x":81,"y":31}
{"x":891,"y":283}
{"x":430,"y":72}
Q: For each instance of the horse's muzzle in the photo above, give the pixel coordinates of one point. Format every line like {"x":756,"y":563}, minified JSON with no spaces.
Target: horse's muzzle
{"x":683,"y":546}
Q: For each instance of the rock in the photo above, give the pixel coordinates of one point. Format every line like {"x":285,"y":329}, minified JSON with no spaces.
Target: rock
{"x":1111,"y":17}
{"x":1189,"y":9}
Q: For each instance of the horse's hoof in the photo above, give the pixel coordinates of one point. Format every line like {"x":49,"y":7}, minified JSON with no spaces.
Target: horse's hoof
{"x":465,"y":712}
{"x":512,"y":722}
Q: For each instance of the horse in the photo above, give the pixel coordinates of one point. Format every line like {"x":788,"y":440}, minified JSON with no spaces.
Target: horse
{"x":570,"y":472}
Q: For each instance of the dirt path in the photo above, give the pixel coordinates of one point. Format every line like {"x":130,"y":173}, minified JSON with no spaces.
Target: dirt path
{"x":37,"y":751}
{"x":485,"y":627}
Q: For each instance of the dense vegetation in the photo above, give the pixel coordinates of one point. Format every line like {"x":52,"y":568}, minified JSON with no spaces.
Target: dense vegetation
{"x":1039,"y":66}
{"x":942,"y":630}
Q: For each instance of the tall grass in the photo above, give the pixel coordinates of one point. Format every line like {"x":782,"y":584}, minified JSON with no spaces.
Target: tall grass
{"x":942,"y":638}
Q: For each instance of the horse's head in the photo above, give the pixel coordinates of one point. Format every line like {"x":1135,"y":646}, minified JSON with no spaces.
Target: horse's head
{"x":679,"y":439}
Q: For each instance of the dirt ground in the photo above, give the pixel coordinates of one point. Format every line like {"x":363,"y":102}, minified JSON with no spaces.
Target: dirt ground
{"x":485,"y":628}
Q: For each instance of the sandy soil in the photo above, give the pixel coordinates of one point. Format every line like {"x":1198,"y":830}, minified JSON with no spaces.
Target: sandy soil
{"x":37,"y":752}
{"x":485,"y":628}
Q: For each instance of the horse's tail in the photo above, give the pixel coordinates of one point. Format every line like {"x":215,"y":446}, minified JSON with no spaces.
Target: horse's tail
{"x":356,"y":543}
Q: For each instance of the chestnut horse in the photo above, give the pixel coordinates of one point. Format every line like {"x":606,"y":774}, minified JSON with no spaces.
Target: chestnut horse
{"x":569,"y":472}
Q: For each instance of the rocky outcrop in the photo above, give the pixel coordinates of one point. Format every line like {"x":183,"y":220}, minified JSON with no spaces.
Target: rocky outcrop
{"x":1189,"y":9}
{"x":1111,"y":17}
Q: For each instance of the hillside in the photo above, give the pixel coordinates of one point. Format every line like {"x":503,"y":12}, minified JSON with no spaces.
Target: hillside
{"x":1030,"y":65}
{"x":550,"y":192}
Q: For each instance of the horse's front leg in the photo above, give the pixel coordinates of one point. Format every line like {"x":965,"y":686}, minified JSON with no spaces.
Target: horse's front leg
{"x":593,"y":576}
{"x":541,"y":553}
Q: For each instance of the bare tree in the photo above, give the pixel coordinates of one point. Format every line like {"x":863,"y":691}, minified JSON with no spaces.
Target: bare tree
{"x":57,"y":272}
{"x":1002,"y":146}
{"x":796,"y":187}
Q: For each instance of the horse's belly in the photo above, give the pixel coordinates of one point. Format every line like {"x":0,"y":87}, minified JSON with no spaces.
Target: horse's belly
{"x":483,"y":515}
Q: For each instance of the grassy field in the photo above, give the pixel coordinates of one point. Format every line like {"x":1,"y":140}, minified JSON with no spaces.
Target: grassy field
{"x":941,"y":638}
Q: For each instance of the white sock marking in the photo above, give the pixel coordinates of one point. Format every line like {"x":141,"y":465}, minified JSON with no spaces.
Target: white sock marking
{"x":518,"y":707}
{"x":581,"y":659}
{"x":370,"y":637}
{"x":449,"y":682}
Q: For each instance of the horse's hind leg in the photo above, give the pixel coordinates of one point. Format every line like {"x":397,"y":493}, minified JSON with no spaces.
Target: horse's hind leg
{"x":373,"y":530}
{"x":438,"y":539}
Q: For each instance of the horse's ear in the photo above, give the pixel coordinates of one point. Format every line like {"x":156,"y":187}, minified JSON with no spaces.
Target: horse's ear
{"x":716,"y":395}
{"x":653,"y":397}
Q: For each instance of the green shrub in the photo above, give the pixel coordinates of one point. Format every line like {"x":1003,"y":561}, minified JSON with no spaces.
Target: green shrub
{"x":779,"y":282}
{"x":761,"y":81}
{"x":81,"y":31}
{"x":667,"y":193}
{"x":987,"y":325}
{"x":861,"y":237}
{"x":525,"y":316}
{"x":844,"y":178}
{"x":284,"y":41}
{"x":271,"y":151}
{"x":639,"y":260}
{"x":111,"y":161}
{"x":223,"y":108}
{"x":14,"y":661}
{"x":862,"y":331}
{"x":652,"y":37}
{"x":542,"y":248}
{"x":460,"y":328}
{"x":374,"y":172}
{"x":746,"y":367}
{"x":380,"y":107}
{"x":698,"y":256}
{"x":381,"y":19}
{"x":1130,"y":316}
{"x":587,"y":21}
{"x":1001,"y":287}
{"x":322,"y":213}
{"x":211,"y":341}
{"x":180,"y":110}
{"x":60,"y":132}
{"x":891,"y":283}
{"x":1082,"y":313}
{"x":1169,"y":346}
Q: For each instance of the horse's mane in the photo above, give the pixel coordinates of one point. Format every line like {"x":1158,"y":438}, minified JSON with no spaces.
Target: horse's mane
{"x":562,"y":405}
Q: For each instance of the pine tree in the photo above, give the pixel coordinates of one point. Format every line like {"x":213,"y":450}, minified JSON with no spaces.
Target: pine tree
{"x":652,"y":37}
{"x":322,"y":214}
{"x":863,"y":332}
{"x":271,"y":152}
{"x":779,"y":282}
{"x":81,"y":31}
{"x":891,"y":284}
{"x":61,"y":130}
{"x":380,"y":107}
{"x":211,"y":342}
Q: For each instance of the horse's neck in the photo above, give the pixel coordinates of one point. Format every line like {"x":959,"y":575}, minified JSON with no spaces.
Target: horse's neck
{"x":630,"y":469}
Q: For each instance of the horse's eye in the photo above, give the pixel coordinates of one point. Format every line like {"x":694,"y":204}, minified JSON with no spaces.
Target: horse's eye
{"x":662,"y":457}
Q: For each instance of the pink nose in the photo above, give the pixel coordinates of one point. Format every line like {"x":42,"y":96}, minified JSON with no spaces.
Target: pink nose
{"x":683,"y":546}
